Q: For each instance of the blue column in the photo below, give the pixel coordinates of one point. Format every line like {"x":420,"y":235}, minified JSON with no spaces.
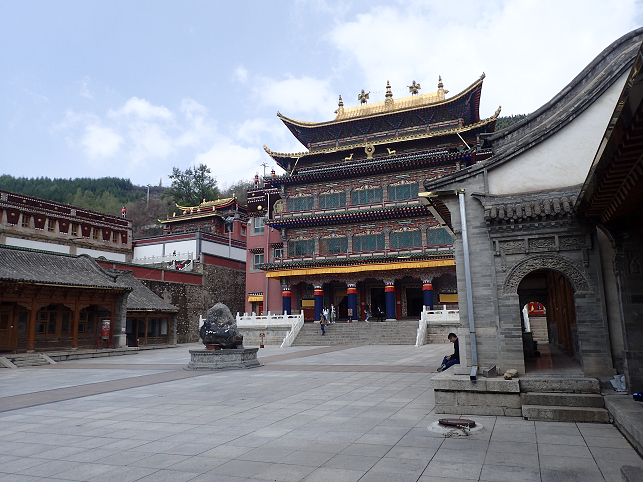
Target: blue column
{"x":286,"y":300}
{"x":352,"y":301}
{"x":427,"y":291}
{"x":390,"y":301}
{"x":319,"y":302}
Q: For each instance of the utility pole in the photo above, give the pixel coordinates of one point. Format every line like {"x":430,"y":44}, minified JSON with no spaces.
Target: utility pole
{"x":264,"y":172}
{"x":148,"y":195}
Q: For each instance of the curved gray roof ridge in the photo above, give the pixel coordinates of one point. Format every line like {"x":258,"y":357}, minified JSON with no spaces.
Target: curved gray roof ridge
{"x":585,"y":88}
{"x":570,"y":102}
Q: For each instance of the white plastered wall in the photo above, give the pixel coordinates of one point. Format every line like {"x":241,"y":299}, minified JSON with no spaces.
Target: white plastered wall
{"x":28,"y":243}
{"x":95,"y":253}
{"x":563,"y":159}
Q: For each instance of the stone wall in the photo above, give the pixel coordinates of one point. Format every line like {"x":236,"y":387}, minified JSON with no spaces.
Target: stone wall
{"x":219,"y":284}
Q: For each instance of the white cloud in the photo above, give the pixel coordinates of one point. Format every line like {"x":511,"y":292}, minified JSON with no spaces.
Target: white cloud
{"x":229,"y":161}
{"x":142,"y":109}
{"x":296,"y":96}
{"x":518,"y":44}
{"x":100,"y":142}
{"x":241,"y":74}
{"x":84,"y":88}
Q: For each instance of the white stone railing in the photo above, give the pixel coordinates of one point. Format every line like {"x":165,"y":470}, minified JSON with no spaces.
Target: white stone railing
{"x":172,"y":258}
{"x":266,"y":321}
{"x":442,"y":316}
{"x":434,"y":317}
{"x":294,"y":331}
{"x":252,"y":320}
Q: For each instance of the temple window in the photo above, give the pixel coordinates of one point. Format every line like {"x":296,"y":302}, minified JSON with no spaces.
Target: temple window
{"x":228,"y":228}
{"x":95,"y":233}
{"x":51,"y":225}
{"x":302,"y":203}
{"x":333,"y":200}
{"x":404,"y":191}
{"x":258,"y":225}
{"x":369,"y":242}
{"x":74,"y":229}
{"x":243,"y":230}
{"x":277,"y":253}
{"x":114,"y":237}
{"x":367,"y":196}
{"x":26,"y":219}
{"x":438,"y":237}
{"x":406,"y":239}
{"x":257,"y":259}
{"x":333,"y":245}
{"x":301,"y":247}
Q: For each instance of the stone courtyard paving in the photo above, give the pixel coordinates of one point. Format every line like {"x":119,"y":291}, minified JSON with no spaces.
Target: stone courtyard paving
{"x":310,"y":413}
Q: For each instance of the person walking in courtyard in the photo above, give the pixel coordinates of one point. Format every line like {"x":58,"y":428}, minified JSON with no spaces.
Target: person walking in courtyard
{"x":368,"y":313}
{"x":380,"y":313}
{"x":322,"y":323}
{"x":332,"y":313}
{"x":454,"y":359}
{"x":325,"y":312}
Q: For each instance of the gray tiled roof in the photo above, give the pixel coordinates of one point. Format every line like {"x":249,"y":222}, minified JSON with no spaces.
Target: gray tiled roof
{"x":21,"y":265}
{"x":142,"y":298}
{"x":529,"y":207}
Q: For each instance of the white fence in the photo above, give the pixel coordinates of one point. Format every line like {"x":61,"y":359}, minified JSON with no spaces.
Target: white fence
{"x":434,"y":317}
{"x":253,"y":320}
{"x":172,"y":258}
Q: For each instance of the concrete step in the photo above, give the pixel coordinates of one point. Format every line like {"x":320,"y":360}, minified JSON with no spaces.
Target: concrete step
{"x":565,"y":414}
{"x":560,"y":385}
{"x":593,"y":400}
{"x":359,"y":333}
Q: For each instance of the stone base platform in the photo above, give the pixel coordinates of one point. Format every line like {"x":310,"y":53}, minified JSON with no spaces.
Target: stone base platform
{"x":228,"y":358}
{"x":457,"y":394}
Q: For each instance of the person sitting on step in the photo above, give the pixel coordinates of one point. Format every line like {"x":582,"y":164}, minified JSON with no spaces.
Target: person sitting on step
{"x":454,"y":359}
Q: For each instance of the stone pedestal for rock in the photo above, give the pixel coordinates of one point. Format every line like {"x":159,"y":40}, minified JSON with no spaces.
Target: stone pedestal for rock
{"x":217,"y":359}
{"x":220,"y":330}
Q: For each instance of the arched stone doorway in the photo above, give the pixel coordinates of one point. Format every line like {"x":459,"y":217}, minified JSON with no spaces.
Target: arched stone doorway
{"x":551,"y":289}
{"x":560,"y":286}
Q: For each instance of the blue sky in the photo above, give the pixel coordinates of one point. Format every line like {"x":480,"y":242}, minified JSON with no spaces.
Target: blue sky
{"x":133,"y":88}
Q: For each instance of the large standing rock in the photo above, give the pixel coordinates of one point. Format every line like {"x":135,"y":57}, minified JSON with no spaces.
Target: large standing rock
{"x":220,"y":328}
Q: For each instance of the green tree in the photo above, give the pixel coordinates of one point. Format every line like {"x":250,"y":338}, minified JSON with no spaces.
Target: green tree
{"x":192,"y":186}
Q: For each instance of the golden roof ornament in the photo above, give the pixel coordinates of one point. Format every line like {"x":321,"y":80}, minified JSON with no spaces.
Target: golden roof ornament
{"x":363,"y":97}
{"x":340,"y":106}
{"x":414,"y":88}
{"x":388,"y":103}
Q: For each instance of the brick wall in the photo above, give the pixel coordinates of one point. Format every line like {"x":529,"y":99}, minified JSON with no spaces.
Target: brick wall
{"x":220,"y":284}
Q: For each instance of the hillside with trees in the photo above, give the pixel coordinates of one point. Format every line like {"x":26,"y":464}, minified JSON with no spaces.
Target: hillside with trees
{"x":504,"y":122}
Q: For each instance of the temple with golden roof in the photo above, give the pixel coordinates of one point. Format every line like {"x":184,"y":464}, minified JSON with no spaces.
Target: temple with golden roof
{"x":354,"y":232}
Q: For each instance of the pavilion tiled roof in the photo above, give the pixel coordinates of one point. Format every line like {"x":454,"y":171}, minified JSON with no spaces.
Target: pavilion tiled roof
{"x":343,"y":217}
{"x":142,"y":298}
{"x":20,"y":265}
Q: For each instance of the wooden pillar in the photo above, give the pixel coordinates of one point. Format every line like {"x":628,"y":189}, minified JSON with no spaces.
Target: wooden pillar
{"x":146,"y":322}
{"x":74,"y":326}
{"x":398,"y":301}
{"x":31,"y":328}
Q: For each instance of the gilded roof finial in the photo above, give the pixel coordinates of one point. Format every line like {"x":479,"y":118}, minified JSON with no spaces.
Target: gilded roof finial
{"x":363,"y":97}
{"x":440,"y":84}
{"x":340,"y":107}
{"x":414,"y":88}
{"x":389,"y":95}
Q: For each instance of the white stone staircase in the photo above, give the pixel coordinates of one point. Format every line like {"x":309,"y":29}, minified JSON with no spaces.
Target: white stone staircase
{"x":563,"y":400}
{"x":359,"y":333}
